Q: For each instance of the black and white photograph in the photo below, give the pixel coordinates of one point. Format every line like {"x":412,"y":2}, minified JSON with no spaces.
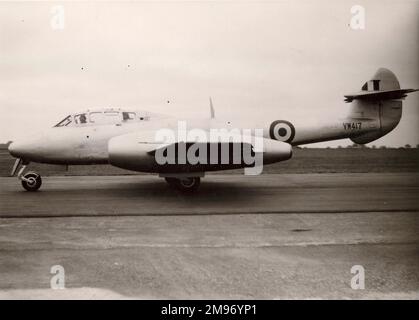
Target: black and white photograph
{"x":209,"y":150}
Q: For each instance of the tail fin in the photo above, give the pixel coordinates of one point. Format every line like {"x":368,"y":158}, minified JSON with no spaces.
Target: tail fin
{"x":379,"y":100}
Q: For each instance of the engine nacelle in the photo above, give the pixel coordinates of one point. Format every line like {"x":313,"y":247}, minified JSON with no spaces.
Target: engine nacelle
{"x":276,"y":151}
{"x":139,"y":152}
{"x":131,"y":152}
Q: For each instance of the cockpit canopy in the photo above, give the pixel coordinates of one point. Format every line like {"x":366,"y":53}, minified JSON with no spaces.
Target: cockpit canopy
{"x":103,"y":117}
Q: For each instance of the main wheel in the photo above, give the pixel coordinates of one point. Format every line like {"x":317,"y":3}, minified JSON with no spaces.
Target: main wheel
{"x":32,"y":182}
{"x":189,"y":184}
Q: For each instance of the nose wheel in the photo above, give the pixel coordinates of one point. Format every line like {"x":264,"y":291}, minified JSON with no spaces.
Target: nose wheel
{"x":31,"y":181}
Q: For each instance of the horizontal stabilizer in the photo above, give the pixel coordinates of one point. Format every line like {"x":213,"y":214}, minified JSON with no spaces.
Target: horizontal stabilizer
{"x":379,"y":95}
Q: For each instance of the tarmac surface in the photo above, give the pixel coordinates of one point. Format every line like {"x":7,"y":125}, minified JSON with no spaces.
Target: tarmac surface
{"x":274,"y":236}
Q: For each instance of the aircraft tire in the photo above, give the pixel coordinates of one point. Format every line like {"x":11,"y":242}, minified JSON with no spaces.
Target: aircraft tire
{"x":186,"y":185}
{"x":34,"y":183}
{"x":189,"y":184}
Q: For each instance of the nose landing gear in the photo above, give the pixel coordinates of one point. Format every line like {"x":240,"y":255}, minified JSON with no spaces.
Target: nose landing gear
{"x":31,"y":181}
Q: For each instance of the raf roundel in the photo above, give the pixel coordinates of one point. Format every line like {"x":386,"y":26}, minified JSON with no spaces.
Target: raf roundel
{"x":282,"y":130}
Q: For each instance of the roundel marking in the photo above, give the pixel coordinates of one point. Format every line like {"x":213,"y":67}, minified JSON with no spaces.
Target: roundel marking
{"x":282,"y":130}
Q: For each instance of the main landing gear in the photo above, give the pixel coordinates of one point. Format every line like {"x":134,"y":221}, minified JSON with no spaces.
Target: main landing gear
{"x":31,"y":180}
{"x":184,"y":184}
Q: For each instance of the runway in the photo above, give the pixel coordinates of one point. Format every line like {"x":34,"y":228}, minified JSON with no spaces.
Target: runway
{"x":271,"y":237}
{"x":218,"y":194}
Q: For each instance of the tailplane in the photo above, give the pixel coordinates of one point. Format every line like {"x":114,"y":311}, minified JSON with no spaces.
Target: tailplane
{"x":383,"y":86}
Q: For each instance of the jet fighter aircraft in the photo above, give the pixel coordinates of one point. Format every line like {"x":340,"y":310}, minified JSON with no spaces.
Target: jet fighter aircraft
{"x":141,"y":140}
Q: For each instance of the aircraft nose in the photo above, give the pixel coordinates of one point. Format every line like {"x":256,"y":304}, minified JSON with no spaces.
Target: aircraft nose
{"x":21,"y":149}
{"x":10,"y":148}
{"x":15,"y":149}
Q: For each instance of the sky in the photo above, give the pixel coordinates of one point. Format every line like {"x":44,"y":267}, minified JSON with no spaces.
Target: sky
{"x":254,"y":58}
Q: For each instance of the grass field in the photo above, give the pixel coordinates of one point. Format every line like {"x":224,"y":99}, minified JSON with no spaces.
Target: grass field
{"x":303,"y":161}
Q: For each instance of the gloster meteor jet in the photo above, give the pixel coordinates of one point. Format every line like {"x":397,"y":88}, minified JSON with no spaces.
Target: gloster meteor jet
{"x":132,"y":139}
